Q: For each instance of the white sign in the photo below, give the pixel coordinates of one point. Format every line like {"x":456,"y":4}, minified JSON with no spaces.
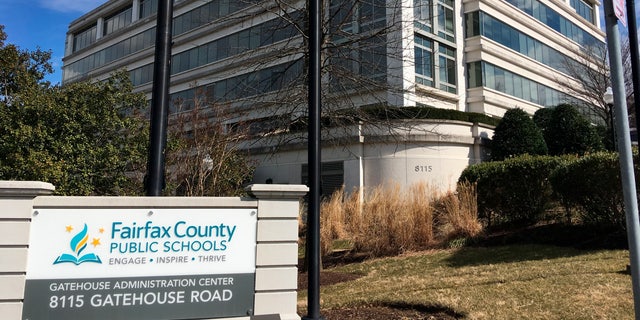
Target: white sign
{"x":140,"y":264}
{"x":619,"y":8}
{"x":93,"y":243}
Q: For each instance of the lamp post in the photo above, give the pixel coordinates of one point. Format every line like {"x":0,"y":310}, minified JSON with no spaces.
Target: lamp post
{"x":207,"y":163}
{"x":608,"y":100}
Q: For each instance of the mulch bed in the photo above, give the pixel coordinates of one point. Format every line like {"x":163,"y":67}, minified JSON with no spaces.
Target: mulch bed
{"x":388,"y":313}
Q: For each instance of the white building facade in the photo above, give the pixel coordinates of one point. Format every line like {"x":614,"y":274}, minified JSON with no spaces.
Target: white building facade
{"x":481,"y":56}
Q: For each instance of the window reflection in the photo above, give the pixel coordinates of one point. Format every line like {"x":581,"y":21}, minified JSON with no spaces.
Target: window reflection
{"x":515,"y":85}
{"x":481,"y":23}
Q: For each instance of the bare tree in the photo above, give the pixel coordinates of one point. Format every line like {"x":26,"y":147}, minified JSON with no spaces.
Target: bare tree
{"x":589,"y":79}
{"x":362,"y":42}
{"x":204,"y":159}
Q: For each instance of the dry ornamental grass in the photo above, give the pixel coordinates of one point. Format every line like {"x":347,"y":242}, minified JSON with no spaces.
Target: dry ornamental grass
{"x":391,"y":220}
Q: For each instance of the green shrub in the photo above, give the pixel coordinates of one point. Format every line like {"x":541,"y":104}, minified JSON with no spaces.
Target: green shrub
{"x":542,"y":118}
{"x":592,"y":185}
{"x":513,"y":192}
{"x":566,"y":131}
{"x":426,"y":112}
{"x":516,"y":134}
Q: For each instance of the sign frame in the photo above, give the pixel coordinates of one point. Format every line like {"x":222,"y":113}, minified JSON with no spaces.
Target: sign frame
{"x":141,"y":263}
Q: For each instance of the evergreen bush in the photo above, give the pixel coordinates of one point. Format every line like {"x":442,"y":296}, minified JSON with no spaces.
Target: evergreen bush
{"x":569,"y":132}
{"x":516,"y":134}
{"x":514,"y":192}
{"x":592,"y":185}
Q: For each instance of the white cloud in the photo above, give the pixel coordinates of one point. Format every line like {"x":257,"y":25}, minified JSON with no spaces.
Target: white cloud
{"x":82,"y":6}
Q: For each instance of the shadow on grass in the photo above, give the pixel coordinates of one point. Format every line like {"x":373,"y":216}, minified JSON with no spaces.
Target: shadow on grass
{"x":393,"y":311}
{"x":537,"y":243}
{"x":434,"y":309}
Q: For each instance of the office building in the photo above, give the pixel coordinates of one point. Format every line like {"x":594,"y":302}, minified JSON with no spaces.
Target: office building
{"x":481,"y":56}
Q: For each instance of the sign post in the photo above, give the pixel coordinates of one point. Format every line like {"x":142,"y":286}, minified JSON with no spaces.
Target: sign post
{"x":624,"y":146}
{"x":619,"y":10}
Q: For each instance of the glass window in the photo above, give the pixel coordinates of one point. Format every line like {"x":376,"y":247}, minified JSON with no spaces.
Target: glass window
{"x":559,"y":23}
{"x":475,"y":74}
{"x":489,"y":75}
{"x":244,"y":38}
{"x":193,"y":58}
{"x":508,"y":83}
{"x":447,"y":66}
{"x":175,"y":63}
{"x":517,"y":86}
{"x":223,"y":48}
{"x":584,"y":9}
{"x":472,"y":24}
{"x":84,"y":38}
{"x":341,"y":16}
{"x":499,"y":78}
{"x":422,"y":11}
{"x":254,"y":41}
{"x":523,"y":46}
{"x":202,"y":55}
{"x":533,"y":90}
{"x":148,"y":7}
{"x":446,"y":21}
{"x":117,"y":21}
{"x":514,"y":39}
{"x":425,"y":64}
{"x":212,"y":52}
{"x":526,"y":89}
{"x":424,"y":60}
{"x":242,"y":86}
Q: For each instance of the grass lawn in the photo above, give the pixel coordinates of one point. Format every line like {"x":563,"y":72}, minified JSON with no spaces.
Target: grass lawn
{"x":503,"y":282}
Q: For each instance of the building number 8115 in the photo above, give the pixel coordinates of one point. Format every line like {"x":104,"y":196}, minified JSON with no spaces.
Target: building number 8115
{"x":423,"y":168}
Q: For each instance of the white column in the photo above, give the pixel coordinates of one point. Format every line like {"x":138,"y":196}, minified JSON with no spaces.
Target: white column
{"x":400,"y":57}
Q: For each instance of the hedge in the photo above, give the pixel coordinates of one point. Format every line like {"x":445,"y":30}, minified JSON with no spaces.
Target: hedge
{"x":513,"y":192}
{"x":592,"y":185}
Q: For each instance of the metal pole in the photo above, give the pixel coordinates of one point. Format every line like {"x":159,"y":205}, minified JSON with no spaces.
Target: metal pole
{"x":160,"y":100}
{"x":633,"y":50}
{"x":624,"y":147}
{"x":313,"y":216}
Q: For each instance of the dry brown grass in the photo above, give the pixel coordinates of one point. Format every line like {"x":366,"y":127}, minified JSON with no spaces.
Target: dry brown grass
{"x":393,"y":220}
{"x":458,"y":213}
{"x":332,"y":221}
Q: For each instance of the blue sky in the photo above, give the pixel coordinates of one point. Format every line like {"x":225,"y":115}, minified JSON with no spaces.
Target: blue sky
{"x":30,"y":24}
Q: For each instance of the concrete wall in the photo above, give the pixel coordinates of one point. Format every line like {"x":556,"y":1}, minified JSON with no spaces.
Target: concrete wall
{"x":276,"y":249}
{"x":430,"y":151}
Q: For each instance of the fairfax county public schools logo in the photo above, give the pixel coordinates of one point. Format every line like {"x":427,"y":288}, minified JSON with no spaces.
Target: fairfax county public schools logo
{"x":78,"y":243}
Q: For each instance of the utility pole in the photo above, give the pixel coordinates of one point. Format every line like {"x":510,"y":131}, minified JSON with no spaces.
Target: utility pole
{"x":314,"y":158}
{"x":160,"y":100}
